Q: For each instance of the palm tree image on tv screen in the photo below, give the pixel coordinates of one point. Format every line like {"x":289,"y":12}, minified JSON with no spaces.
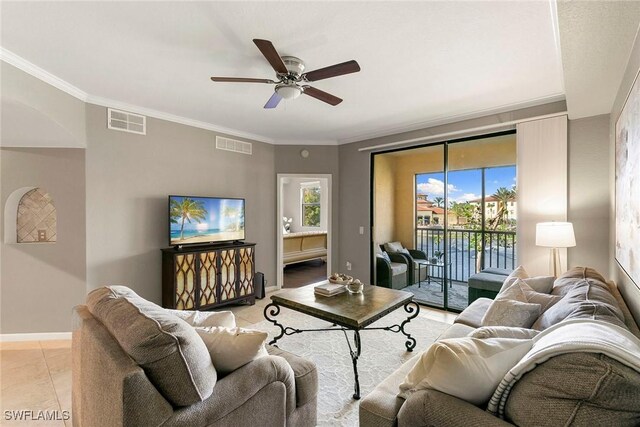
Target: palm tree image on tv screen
{"x":205,"y":219}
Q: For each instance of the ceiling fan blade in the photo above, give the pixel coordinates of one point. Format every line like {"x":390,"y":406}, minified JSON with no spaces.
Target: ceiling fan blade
{"x":271,"y":54}
{"x":240,"y":80}
{"x":321,"y":95}
{"x":332,"y":71}
{"x":273,"y":101}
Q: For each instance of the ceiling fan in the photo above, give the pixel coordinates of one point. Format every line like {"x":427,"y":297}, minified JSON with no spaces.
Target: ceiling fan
{"x":291,"y":76}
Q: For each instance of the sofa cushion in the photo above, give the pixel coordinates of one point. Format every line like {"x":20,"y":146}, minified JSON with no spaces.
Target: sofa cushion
{"x":576,"y":389}
{"x":231,"y":348}
{"x":305,"y":373}
{"x":398,"y":268}
{"x":168,"y":349}
{"x":503,"y":332}
{"x":456,"y":330}
{"x":468,"y":368}
{"x":569,"y":279}
{"x":225,"y":319}
{"x":509,"y":312}
{"x":518,"y":273}
{"x":472,"y":315}
{"x":521,"y":291}
{"x":586,"y":299}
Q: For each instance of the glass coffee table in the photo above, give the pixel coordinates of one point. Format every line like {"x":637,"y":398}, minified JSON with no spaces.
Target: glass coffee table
{"x":347,"y":312}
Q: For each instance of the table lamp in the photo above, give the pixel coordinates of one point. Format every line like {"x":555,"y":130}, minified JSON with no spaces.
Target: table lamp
{"x":555,"y":235}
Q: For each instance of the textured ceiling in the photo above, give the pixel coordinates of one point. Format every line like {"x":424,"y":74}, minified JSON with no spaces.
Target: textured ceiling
{"x":422,"y":62}
{"x":596,"y":39}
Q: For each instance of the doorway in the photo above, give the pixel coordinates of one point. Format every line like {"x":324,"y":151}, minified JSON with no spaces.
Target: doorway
{"x":455,"y":204}
{"x":304,"y":229}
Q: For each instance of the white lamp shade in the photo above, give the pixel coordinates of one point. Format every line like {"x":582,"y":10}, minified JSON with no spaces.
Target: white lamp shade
{"x":555,"y":234}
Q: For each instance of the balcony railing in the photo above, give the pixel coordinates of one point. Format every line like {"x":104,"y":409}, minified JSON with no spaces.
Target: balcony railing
{"x":464,"y":246}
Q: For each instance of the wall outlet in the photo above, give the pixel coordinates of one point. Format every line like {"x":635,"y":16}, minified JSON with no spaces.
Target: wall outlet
{"x":361,"y":230}
{"x":348,"y":266}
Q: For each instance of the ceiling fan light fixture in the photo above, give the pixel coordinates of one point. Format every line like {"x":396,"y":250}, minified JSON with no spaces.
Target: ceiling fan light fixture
{"x":288,"y":91}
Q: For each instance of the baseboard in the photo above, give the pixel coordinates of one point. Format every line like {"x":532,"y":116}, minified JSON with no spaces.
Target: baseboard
{"x":44,"y":336}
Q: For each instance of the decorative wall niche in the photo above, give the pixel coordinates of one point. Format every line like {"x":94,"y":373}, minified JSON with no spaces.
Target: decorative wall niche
{"x":30,"y":217}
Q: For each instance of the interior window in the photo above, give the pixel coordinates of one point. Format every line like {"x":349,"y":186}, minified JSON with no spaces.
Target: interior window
{"x":310,"y":201}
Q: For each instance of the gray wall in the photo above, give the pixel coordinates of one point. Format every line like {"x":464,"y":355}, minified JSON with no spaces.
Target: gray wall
{"x":36,"y":114}
{"x":589,"y":192}
{"x":630,"y":290}
{"x":128,"y":179}
{"x":323,"y":159}
{"x":41,"y":282}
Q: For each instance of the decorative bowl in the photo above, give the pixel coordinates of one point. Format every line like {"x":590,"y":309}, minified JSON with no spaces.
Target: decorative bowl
{"x":345,"y":280}
{"x":355,"y":287}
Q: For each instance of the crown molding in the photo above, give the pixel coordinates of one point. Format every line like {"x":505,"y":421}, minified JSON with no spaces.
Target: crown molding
{"x":55,"y":81}
{"x":307,"y":142}
{"x":409,"y":127}
{"x":41,"y":74}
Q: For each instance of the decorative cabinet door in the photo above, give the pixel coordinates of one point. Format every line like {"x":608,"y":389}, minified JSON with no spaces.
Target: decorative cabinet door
{"x":203,"y":278}
{"x":185,"y":266}
{"x":208,"y":278}
{"x":246,"y":267}
{"x":228,"y":274}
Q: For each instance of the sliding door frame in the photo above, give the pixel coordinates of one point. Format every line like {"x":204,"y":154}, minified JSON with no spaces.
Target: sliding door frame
{"x":445,"y":143}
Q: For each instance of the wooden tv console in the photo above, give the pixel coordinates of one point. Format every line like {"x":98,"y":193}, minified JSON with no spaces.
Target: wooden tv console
{"x":204,"y":277}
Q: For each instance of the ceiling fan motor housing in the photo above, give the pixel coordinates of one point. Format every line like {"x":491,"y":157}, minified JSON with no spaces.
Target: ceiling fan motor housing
{"x":294,"y":65}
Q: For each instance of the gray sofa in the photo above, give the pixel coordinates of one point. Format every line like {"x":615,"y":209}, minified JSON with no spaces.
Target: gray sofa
{"x":135,"y":364}
{"x":576,"y":389}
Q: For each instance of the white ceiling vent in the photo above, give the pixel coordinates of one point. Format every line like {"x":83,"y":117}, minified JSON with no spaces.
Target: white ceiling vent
{"x":229,"y":144}
{"x":126,"y":122}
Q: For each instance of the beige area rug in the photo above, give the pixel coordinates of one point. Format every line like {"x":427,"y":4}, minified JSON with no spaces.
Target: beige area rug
{"x":382,"y":353}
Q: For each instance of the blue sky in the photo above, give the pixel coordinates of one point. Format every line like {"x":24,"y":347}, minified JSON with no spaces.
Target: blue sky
{"x":466,"y":185}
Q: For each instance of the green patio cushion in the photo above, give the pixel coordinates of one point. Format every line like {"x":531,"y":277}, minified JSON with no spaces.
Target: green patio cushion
{"x":487,"y":281}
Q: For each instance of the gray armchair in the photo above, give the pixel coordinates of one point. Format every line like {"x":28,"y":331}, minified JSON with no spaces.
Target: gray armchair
{"x":410,"y":256}
{"x":110,"y":388}
{"x":393,"y":272}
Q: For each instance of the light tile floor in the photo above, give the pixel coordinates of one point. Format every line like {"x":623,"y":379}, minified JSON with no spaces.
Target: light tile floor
{"x":36,"y":375}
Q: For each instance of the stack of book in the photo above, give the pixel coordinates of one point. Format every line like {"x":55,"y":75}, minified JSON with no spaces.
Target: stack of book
{"x":329,"y":289}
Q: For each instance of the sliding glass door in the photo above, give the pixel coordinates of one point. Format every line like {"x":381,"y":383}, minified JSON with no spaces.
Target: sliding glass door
{"x":456,"y":203}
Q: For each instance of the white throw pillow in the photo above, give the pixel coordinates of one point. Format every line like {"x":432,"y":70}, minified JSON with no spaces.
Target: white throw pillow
{"x":521,"y":291}
{"x":467,"y":368}
{"x":231,"y":348}
{"x":503,"y":332}
{"x":518,"y":273}
{"x":226,"y":319}
{"x":393,"y":247}
{"x":508,"y":312}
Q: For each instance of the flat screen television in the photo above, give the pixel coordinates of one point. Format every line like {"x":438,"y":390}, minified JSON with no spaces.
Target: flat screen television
{"x":197,"y":220}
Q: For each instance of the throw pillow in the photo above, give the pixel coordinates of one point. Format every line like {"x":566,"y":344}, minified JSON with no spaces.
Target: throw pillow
{"x":503,"y":332}
{"x":231,"y":348}
{"x":393,"y":247}
{"x":467,"y":368}
{"x":587,"y":299}
{"x":518,"y":273}
{"x":521,"y":291}
{"x":196,"y":318}
{"x":507,"y":312}
{"x":542,"y":284}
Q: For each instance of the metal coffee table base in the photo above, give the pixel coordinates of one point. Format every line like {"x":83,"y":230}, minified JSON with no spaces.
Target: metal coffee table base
{"x":412,"y":308}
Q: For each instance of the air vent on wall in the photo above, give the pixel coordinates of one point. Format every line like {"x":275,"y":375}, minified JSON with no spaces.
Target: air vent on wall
{"x":126,"y":122}
{"x":229,"y":144}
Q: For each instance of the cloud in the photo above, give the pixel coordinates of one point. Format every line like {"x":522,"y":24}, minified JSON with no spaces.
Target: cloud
{"x":434,"y":187}
{"x":466,"y":197}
